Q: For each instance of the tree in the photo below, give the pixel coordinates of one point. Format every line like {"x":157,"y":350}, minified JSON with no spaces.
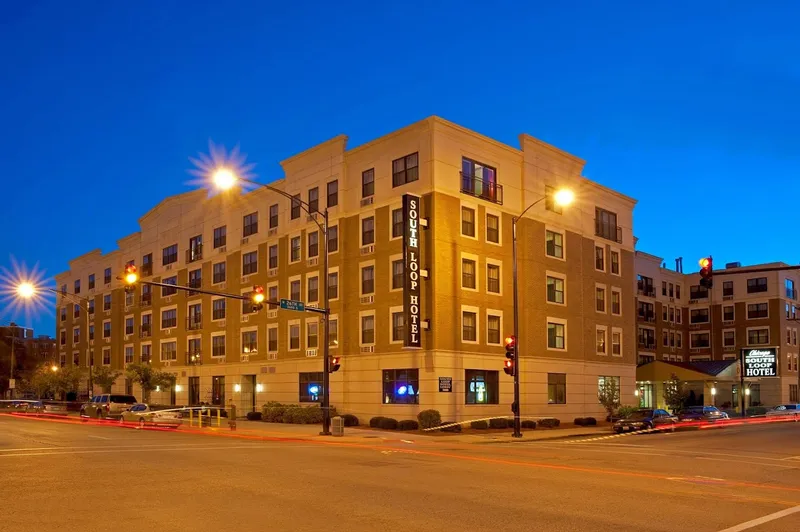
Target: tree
{"x":43,"y":381}
{"x":675,"y":393}
{"x":149,"y":378}
{"x":105,"y":377}
{"x":608,"y":395}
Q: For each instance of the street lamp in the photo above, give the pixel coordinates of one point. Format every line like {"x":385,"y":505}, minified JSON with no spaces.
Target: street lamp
{"x":562,"y":197}
{"x":224,"y":178}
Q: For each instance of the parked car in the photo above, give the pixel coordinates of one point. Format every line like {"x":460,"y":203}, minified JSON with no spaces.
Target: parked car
{"x":107,"y":406}
{"x":702,"y":413}
{"x":645,"y":419}
{"x":145,"y":415}
{"x":790,"y":409}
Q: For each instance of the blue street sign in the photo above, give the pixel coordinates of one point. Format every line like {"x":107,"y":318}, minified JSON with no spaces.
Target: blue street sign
{"x":290,"y":304}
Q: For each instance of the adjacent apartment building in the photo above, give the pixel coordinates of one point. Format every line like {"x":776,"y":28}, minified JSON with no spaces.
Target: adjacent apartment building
{"x":681,"y":321}
{"x":576,"y":277}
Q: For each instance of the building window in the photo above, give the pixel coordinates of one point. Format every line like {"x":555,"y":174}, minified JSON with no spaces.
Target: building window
{"x":128,"y":355}
{"x":729,"y":338}
{"x":556,"y":335}
{"x":129,"y":325}
{"x":600,"y":341}
{"x":616,"y":302}
{"x":405,"y":170}
{"x":333,"y":193}
{"x":397,"y":274}
{"x":273,"y":216}
{"x":77,"y":289}
{"x":294,"y":336}
{"x":295,"y":249}
{"x":106,"y":356}
{"x":107,"y":301}
{"x":333,"y":285}
{"x":169,"y":351}
{"x":555,"y":290}
{"x":493,"y":329}
{"x":295,"y":210}
{"x":313,"y":200}
{"x":313,"y":244}
{"x":757,"y":310}
{"x":493,"y":278}
{"x":91,"y":281}
{"x":757,"y":284}
{"x":273,"y":257}
{"x":483,"y":387}
{"x":107,"y":271}
{"x":62,"y":337}
{"x":467,"y":221}
{"x":679,"y":340}
{"x":249,"y":342}
{"x":612,"y":381}
{"x":727,"y":313}
{"x":76,"y":312}
{"x":600,"y":299}
{"x":218,"y":272}
{"x":333,"y":239}
{"x":367,"y":231}
{"x":368,"y":183}
{"x":398,"y":329}
{"x":468,"y":273}
{"x":146,"y":353}
{"x":169,"y":291}
{"x":599,"y":258}
{"x":169,"y":255}
{"x":469,"y":326}
{"x":250,"y":224}
{"x":294,"y":290}
{"x":614,"y":262}
{"x":273,"y":295}
{"x":218,"y":346}
{"x":63,"y":313}
{"x":554,"y":244}
{"x":218,"y":309}
{"x":147,"y":265}
{"x":698,"y":315}
{"x":333,"y":332}
{"x":493,"y":228}
{"x":699,"y":340}
{"x":169,"y":318}
{"x":76,"y":335}
{"x":367,"y":280}
{"x":397,"y":223}
{"x":312,"y":287}
{"x":790,"y":291}
{"x":757,"y":336}
{"x":605,"y":225}
{"x":698,"y":292}
{"x":310,"y":387}
{"x":401,"y":386}
{"x":557,"y":388}
{"x":272,"y":339}
{"x":727,"y":288}
{"x":616,"y":343}
{"x":550,"y":200}
{"x":368,"y":330}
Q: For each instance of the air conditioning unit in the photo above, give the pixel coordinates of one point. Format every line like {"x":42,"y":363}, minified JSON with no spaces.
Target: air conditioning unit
{"x":366,"y":250}
{"x":245,"y":318}
{"x":245,"y":240}
{"x":727,"y":298}
{"x":272,"y":355}
{"x":91,"y":342}
{"x":366,"y":300}
{"x":272,"y":273}
{"x":310,"y":218}
{"x":221,"y":323}
{"x":692,"y":301}
{"x":728,"y":322}
{"x":167,"y":332}
{"x":168,"y":299}
{"x":311,"y":352}
{"x":244,"y":358}
{"x":220,"y":360}
{"x":222,"y":249}
{"x":127,"y":337}
{"x":167,"y":363}
{"x":245,"y":279}
{"x":107,"y":313}
{"x":313,"y":261}
{"x":367,"y":201}
{"x":272,"y":232}
{"x":272,"y":314}
{"x":368,"y":349}
{"x":168,"y":267}
{"x":107,"y":340}
{"x":672,"y":300}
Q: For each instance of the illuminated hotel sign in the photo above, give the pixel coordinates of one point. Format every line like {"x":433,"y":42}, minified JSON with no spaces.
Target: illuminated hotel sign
{"x":760,"y":362}
{"x":411,"y":304}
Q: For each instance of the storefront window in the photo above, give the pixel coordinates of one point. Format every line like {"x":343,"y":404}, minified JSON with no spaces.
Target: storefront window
{"x":401,"y":386}
{"x":482,"y":387}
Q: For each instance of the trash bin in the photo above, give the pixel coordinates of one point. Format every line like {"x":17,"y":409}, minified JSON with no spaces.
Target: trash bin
{"x":337,"y":426}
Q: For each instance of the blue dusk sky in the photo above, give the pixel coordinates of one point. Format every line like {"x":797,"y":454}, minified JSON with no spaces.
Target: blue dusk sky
{"x":690,"y":107}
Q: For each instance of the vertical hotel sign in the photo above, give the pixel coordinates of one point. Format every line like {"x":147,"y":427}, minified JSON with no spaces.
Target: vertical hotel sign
{"x":411,"y":304}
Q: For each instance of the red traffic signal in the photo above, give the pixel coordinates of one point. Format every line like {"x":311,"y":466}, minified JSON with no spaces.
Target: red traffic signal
{"x":258,"y":298}
{"x":706,"y":272}
{"x":335,"y":364}
{"x":508,"y":367}
{"x":511,"y":355}
{"x":511,"y":345}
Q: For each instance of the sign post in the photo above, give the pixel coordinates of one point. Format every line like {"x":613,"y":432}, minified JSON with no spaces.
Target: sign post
{"x":290,"y":304}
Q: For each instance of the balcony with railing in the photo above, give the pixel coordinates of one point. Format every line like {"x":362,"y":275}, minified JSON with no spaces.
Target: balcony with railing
{"x":194,"y":283}
{"x":145,"y":331}
{"x":480,"y":188}
{"x":194,"y":322}
{"x":791,"y":293}
{"x":647,"y":343}
{"x":645,"y":289}
{"x":609,"y":232}
{"x":648,"y":316}
{"x":194,"y":358}
{"x":145,"y":300}
{"x":194,"y":254}
{"x":147,"y":270}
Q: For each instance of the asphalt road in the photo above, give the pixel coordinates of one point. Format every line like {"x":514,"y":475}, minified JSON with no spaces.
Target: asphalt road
{"x":82,"y":477}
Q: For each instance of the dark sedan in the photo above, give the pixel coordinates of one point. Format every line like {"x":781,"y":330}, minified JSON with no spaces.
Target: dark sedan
{"x":646,"y":419}
{"x":702,"y":413}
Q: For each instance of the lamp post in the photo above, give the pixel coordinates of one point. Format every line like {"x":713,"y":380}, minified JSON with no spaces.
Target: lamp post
{"x":562,"y":197}
{"x":12,"y":325}
{"x":225,"y":179}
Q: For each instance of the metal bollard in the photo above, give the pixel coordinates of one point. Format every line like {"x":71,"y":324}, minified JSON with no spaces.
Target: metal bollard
{"x":232,"y":416}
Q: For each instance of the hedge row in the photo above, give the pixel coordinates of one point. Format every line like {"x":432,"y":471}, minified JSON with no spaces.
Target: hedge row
{"x":549,"y":422}
{"x":387,"y":423}
{"x":585,"y":421}
{"x":274,"y":412}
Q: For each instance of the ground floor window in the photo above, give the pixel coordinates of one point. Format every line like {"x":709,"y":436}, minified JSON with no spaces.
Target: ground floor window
{"x":646,"y":394}
{"x":557,"y":388}
{"x":310,"y":387}
{"x":755,"y":394}
{"x":194,"y":391}
{"x":793,"y":393}
{"x":401,"y":386}
{"x":218,"y":391}
{"x":611,"y":382}
{"x":482,"y":387}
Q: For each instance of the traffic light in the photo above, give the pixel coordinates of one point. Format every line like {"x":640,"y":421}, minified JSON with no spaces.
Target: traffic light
{"x":130,"y":278}
{"x":258,"y":298}
{"x":335,"y":364}
{"x":511,"y":355}
{"x":706,"y":272}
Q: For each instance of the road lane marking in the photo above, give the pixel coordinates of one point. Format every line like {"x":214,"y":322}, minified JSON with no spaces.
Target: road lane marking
{"x":761,"y":520}
{"x":600,"y":446}
{"x":134,"y":450}
{"x":746,"y":462}
{"x":99,"y":437}
{"x":121,"y":447}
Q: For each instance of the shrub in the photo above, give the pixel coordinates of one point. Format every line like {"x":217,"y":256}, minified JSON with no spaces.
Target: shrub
{"x":273,"y":412}
{"x":429,"y":419}
{"x":625,"y":411}
{"x":407,"y":424}
{"x":254,"y":416}
{"x":549,"y":422}
{"x":580,"y":421}
{"x":388,"y":423}
{"x":498,"y":423}
{"x":376,"y":421}
{"x":350,"y":420}
{"x":590,"y":421}
{"x":480,"y":424}
{"x":528,"y":424}
{"x":454,"y":428}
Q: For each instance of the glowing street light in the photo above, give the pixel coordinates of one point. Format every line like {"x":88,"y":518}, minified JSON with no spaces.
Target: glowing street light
{"x":131,"y":275}
{"x":26,"y":290}
{"x":224,"y":178}
{"x":53,"y":368}
{"x":564,"y":197}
